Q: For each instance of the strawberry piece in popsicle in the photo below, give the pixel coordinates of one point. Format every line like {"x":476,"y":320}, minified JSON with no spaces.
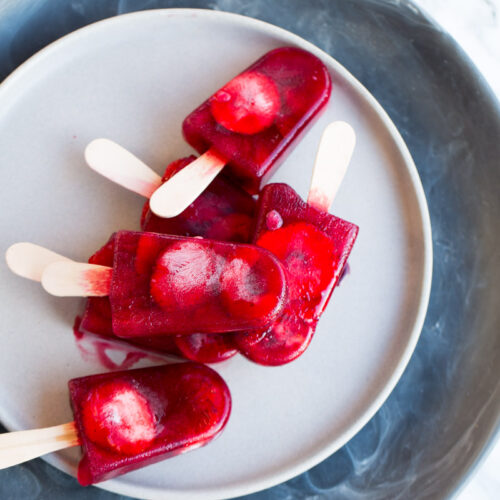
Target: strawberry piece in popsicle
{"x":313,"y":246}
{"x":129,"y":419}
{"x":96,"y":317}
{"x":257,"y":116}
{"x":201,"y":347}
{"x":126,"y":420}
{"x":162,"y":284}
{"x":248,"y":126}
{"x":206,"y":347}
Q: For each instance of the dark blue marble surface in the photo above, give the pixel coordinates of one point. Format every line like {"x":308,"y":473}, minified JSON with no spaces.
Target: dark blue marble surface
{"x":431,"y":430}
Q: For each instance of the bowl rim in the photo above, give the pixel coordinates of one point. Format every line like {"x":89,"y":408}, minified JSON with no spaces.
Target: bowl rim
{"x":276,"y":477}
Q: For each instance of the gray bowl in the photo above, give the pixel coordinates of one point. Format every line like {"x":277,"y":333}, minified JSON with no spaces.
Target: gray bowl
{"x":445,"y":410}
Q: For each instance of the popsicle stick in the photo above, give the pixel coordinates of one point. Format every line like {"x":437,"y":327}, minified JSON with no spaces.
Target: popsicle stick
{"x":29,"y":260}
{"x":173,"y":196}
{"x":119,"y":165}
{"x":334,"y":154}
{"x":21,"y":446}
{"x":76,"y":279}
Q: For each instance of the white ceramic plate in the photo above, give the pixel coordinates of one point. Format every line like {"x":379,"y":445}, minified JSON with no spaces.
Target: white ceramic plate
{"x":133,"y":79}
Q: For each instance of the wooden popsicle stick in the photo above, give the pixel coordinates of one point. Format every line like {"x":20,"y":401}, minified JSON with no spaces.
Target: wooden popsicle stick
{"x":175,"y":195}
{"x":334,"y":154}
{"x":29,"y":260}
{"x":119,"y":165}
{"x":21,"y":446}
{"x":76,"y":279}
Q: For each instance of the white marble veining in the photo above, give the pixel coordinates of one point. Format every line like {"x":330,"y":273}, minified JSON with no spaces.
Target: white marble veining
{"x":485,"y":482}
{"x":475,"y":25}
{"x":392,"y":452}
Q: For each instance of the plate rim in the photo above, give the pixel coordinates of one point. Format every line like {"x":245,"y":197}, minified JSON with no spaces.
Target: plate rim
{"x":312,"y":459}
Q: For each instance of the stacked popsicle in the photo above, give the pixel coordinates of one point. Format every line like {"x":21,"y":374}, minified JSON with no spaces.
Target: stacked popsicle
{"x":190,"y":284}
{"x":129,"y":419}
{"x":250,"y":124}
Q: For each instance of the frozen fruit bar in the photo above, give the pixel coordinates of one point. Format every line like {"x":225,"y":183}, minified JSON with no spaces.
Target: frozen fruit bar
{"x":163,"y":284}
{"x":257,"y":116}
{"x":313,"y":246}
{"x":129,"y":419}
{"x":206,"y":347}
{"x":222,"y":212}
{"x":201,"y":347}
{"x":96,"y":317}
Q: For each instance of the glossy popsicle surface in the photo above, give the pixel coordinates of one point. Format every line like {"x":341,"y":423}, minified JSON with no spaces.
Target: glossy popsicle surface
{"x":97,"y":317}
{"x":201,"y":347}
{"x":313,"y":246}
{"x":164,"y":284}
{"x":129,"y":419}
{"x":257,"y":117}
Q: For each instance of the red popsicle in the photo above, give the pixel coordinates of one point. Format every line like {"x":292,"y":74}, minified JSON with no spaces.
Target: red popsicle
{"x":249,"y":125}
{"x":96,"y":317}
{"x":160,"y":411}
{"x":129,"y":419}
{"x":201,"y":347}
{"x":313,"y":246}
{"x":163,"y":284}
{"x":257,"y":116}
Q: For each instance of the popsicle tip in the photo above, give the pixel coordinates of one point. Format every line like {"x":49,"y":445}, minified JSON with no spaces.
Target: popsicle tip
{"x":178,"y":192}
{"x":164,"y":206}
{"x":333,"y":157}
{"x":343,"y":127}
{"x":29,"y":260}
{"x":340,"y":135}
{"x":94,"y":148}
{"x":13,"y":254}
{"x":120,"y":166}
